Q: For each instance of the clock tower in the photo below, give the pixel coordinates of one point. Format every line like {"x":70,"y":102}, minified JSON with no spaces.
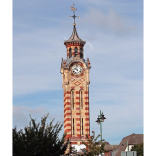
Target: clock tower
{"x":75,"y":75}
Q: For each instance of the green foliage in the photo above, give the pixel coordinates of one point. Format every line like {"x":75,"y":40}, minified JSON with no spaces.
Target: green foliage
{"x":139,"y":148}
{"x":39,"y":139}
{"x":94,"y":147}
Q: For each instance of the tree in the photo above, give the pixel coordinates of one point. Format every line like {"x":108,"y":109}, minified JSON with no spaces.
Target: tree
{"x":39,"y":139}
{"x":139,"y":148}
{"x":94,"y":147}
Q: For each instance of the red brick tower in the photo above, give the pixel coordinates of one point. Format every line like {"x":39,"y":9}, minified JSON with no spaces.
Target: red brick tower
{"x":75,"y":75}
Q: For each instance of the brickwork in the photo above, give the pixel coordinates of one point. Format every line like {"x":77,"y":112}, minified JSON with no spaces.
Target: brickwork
{"x":76,"y":93}
{"x":76,"y":104}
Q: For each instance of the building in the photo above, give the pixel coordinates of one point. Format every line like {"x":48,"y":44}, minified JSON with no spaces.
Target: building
{"x":75,"y":75}
{"x":126,"y":144}
{"x":110,"y":148}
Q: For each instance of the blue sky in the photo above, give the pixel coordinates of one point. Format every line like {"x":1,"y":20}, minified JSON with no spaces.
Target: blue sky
{"x":113,"y":31}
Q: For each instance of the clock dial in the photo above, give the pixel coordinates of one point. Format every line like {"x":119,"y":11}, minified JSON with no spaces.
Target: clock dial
{"x":76,"y":69}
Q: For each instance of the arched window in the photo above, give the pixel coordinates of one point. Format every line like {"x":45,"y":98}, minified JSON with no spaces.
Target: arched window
{"x":82,"y":126}
{"x":70,"y":54}
{"x":73,"y":127}
{"x":81,"y":53}
{"x":81,"y":99}
{"x":72,"y":98}
{"x":76,"y":51}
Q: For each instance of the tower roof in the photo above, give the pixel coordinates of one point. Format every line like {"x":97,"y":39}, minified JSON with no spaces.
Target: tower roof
{"x":75,"y":38}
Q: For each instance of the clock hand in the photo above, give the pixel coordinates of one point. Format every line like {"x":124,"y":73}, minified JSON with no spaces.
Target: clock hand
{"x":76,"y":69}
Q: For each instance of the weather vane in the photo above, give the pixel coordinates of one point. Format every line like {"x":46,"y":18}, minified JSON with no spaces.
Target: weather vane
{"x":73,"y":9}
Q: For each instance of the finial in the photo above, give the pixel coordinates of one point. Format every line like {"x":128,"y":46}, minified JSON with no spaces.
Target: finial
{"x":64,"y":63}
{"x":73,"y":9}
{"x":89,"y":64}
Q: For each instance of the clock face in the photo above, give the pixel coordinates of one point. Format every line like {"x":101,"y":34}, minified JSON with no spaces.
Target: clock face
{"x":76,"y":69}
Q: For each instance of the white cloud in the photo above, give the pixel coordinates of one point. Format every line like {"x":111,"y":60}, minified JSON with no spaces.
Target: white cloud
{"x":125,"y":119}
{"x":110,"y":22}
{"x":21,"y":114}
{"x":37,"y":62}
{"x":124,"y":7}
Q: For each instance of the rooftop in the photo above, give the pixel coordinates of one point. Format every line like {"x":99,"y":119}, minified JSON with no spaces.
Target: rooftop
{"x":75,"y":38}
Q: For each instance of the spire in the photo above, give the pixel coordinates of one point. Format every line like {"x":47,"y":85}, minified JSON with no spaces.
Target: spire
{"x":74,"y":37}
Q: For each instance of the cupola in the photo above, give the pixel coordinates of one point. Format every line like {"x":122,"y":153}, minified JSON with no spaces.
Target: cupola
{"x":74,"y":45}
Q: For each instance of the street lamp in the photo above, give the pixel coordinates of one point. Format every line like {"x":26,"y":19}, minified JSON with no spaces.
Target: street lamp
{"x":99,"y":120}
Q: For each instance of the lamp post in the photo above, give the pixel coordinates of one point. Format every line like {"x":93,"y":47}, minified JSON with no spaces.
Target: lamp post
{"x":99,"y":120}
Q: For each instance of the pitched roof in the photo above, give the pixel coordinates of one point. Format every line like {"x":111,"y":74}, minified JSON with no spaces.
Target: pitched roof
{"x":132,"y":139}
{"x":75,"y":37}
{"x":110,"y":147}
